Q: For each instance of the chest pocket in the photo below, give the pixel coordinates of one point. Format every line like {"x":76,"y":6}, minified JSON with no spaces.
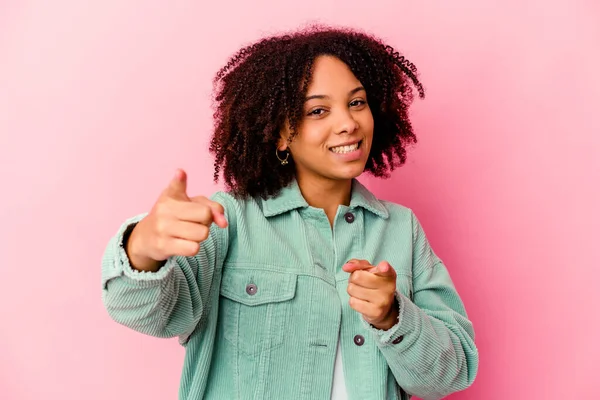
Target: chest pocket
{"x":255,"y":306}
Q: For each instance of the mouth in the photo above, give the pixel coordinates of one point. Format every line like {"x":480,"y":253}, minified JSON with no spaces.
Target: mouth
{"x":345,"y":149}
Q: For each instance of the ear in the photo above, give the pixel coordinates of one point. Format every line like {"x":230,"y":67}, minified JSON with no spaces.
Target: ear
{"x":284,"y":135}
{"x":282,"y":144}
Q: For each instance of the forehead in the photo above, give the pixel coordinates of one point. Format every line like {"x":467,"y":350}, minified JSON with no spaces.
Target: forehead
{"x":331,"y":75}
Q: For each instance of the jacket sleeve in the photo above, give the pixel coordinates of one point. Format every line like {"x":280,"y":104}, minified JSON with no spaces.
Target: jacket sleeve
{"x":167,"y":303}
{"x":431,"y":349}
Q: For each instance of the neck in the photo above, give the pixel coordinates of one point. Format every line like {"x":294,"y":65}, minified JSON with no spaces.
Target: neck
{"x":326,"y":194}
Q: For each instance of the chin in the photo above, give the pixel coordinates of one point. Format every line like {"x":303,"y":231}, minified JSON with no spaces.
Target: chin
{"x":349,"y":173}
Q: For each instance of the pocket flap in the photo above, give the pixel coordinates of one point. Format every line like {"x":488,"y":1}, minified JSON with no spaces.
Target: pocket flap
{"x":253,"y":287}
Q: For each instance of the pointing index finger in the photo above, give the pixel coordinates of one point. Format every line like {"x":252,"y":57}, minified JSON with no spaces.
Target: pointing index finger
{"x":178,"y":186}
{"x":355,"y":265}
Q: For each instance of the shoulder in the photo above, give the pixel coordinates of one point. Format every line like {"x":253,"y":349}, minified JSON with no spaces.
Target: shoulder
{"x":405,"y":219}
{"x":395,"y":212}
{"x":395,"y":209}
{"x":226,"y":198}
{"x":400,"y":216}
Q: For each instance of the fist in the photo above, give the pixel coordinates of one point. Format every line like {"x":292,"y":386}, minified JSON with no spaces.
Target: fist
{"x":372,"y":292}
{"x":175,"y":226}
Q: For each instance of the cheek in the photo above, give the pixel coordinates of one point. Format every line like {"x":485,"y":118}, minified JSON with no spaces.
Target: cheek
{"x":311,"y":136}
{"x":366,"y":122}
{"x":368,"y":132}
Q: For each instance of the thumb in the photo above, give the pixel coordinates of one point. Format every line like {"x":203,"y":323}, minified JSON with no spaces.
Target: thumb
{"x":217,"y":210}
{"x":178,"y":185}
{"x":218,"y":214}
{"x":384,"y":269}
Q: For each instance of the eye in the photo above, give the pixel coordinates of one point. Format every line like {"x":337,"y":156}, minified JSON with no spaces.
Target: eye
{"x":317,"y":111}
{"x":357,"y":103}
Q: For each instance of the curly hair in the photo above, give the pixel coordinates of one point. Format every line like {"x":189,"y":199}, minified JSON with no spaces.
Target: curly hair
{"x":264,"y":85}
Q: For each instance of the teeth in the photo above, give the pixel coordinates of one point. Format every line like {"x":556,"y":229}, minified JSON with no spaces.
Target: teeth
{"x":344,"y":149}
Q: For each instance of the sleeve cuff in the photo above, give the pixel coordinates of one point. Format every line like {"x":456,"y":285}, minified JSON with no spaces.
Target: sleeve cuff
{"x":405,"y":328}
{"x":123,"y":265}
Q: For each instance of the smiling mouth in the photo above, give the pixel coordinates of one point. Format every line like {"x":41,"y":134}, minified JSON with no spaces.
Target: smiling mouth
{"x":346,"y":149}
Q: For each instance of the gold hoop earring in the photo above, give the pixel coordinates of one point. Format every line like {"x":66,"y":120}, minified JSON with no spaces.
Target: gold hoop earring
{"x":285,"y":160}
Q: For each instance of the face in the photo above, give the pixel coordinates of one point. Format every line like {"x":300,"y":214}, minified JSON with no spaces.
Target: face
{"x":334,"y":138}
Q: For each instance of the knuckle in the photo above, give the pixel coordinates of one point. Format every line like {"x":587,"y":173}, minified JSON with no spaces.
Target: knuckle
{"x":204,"y":232}
{"x":162,"y":207}
{"x":193,"y":249}
{"x":206,"y":213}
{"x":350,"y":288}
{"x":161,"y":226}
{"x":187,"y":252}
{"x":185,"y":249}
{"x":357,"y":276}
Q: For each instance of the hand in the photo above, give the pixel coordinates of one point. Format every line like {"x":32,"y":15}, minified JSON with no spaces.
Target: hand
{"x":176,"y":225}
{"x":372,"y":292}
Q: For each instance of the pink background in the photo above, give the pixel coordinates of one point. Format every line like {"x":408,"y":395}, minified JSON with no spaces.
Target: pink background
{"x":101,"y":101}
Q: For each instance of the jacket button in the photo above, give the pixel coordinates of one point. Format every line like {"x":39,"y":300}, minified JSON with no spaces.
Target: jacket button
{"x":251,"y":289}
{"x":398,"y":339}
{"x":359,"y":340}
{"x":349,"y":217}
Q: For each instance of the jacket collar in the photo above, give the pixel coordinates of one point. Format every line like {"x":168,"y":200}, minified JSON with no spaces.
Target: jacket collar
{"x":290,"y":198}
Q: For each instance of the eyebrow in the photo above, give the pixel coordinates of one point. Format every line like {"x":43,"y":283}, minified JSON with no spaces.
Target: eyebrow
{"x":322,"y":96}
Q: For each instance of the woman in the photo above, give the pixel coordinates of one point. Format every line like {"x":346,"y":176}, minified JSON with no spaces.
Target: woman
{"x":297,"y":282}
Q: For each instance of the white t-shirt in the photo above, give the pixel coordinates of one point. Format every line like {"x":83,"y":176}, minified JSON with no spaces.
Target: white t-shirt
{"x":338,"y":391}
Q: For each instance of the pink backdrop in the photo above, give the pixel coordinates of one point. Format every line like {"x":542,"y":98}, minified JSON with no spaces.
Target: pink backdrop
{"x":101,"y":101}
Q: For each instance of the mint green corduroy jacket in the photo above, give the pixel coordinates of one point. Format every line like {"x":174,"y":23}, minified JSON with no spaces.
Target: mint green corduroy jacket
{"x":261,"y":307}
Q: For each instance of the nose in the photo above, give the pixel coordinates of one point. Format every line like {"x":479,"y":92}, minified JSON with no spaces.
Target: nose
{"x":346,"y":124}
